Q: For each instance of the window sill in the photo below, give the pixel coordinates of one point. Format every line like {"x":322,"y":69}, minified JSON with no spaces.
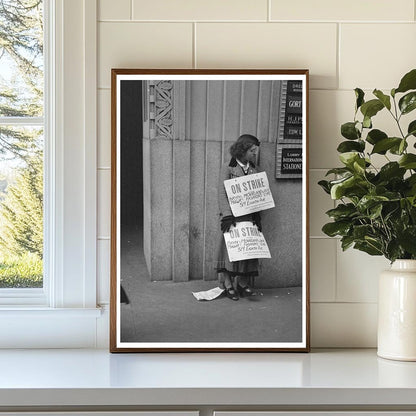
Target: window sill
{"x":323,"y":379}
{"x":37,"y":311}
{"x":40,"y":327}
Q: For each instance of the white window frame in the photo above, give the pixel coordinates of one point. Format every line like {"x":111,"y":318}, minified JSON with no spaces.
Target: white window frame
{"x":64,"y":313}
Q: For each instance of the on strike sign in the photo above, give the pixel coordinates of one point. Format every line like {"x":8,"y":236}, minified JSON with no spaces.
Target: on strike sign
{"x":248,"y":194}
{"x":244,"y":241}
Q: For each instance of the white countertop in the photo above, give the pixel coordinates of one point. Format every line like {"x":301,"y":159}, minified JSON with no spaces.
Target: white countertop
{"x":96,"y":377}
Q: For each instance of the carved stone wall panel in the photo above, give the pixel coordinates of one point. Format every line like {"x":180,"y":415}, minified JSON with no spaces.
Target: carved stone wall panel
{"x":161,"y":109}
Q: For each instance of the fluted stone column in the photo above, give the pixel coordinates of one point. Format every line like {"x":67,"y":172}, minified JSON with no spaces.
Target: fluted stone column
{"x":166,"y":162}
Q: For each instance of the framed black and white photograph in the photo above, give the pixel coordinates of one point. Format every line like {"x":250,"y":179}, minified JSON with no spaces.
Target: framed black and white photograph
{"x":209,"y":210}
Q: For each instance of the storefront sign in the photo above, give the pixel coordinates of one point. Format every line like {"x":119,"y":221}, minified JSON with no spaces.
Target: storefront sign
{"x":289,"y":161}
{"x":293,"y":112}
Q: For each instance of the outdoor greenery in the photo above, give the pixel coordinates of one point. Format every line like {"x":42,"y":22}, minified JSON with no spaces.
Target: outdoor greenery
{"x":21,"y":146}
{"x":376,"y":211}
{"x":21,"y":214}
{"x":21,"y":271}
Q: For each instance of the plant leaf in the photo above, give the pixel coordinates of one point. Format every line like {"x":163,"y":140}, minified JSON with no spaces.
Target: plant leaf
{"x":402,"y":147}
{"x":411,"y":180}
{"x":408,"y":82}
{"x":359,"y":94}
{"x":408,"y":161}
{"x":342,"y":211}
{"x":368,"y":248}
{"x":411,"y":130}
{"x":359,"y":165}
{"x":375,"y":211}
{"x":375,"y":136}
{"x":325,"y":186}
{"x":338,"y":171}
{"x":393,"y":250}
{"x":390,"y":170}
{"x":398,"y":149}
{"x":348,"y":158}
{"x":333,"y":229}
{"x":346,"y":242}
{"x":408,"y":102}
{"x":338,"y":189}
{"x":407,"y":239}
{"x":361,"y":231}
{"x":371,"y":108}
{"x":349,"y":131}
{"x":386,"y":144}
{"x":374,"y":242}
{"x":385,"y":99}
{"x":369,"y":201}
{"x":349,"y":146}
{"x":367,"y":122}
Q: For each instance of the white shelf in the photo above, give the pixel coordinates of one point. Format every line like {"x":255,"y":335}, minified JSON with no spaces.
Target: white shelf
{"x":59,"y":378}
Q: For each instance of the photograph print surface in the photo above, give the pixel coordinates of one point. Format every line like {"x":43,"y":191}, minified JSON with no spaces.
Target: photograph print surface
{"x":209,"y":211}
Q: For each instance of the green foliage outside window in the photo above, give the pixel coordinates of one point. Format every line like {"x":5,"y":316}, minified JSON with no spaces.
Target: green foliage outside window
{"x":21,"y":146}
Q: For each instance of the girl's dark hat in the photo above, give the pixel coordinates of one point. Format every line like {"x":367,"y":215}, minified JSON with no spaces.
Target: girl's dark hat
{"x":248,"y":139}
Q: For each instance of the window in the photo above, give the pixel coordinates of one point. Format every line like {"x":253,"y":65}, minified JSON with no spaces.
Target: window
{"x":64,"y":312}
{"x":22,"y":128}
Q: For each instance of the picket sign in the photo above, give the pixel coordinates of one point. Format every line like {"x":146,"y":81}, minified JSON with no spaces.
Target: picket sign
{"x":244,"y":241}
{"x":248,"y":194}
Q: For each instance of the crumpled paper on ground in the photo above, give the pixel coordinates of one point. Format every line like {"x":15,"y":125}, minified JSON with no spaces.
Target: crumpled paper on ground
{"x":208,"y":294}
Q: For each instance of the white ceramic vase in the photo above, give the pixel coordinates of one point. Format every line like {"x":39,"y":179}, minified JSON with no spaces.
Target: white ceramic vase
{"x":397,"y":312}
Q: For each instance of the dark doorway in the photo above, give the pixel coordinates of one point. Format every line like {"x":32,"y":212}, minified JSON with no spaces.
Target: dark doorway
{"x":133,"y":267}
{"x":131,"y":155}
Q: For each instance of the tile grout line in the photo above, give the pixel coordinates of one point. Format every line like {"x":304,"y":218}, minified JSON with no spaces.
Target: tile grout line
{"x":336,"y":271}
{"x":194,"y":63}
{"x":344,"y":303}
{"x":323,"y":237}
{"x":338,"y":63}
{"x":306,"y":22}
{"x":369,"y":89}
{"x":338,"y":242}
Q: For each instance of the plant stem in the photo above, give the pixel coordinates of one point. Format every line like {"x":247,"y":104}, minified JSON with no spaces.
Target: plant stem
{"x":397,"y":118}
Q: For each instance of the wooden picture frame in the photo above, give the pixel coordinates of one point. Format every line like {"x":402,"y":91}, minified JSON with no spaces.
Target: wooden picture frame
{"x":171,"y":133}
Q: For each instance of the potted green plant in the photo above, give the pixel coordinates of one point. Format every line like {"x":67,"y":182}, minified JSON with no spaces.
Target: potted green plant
{"x":376,"y":206}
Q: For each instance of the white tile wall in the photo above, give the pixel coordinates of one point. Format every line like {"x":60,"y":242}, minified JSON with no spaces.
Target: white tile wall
{"x":103,"y":271}
{"x":200,"y":10}
{"x":328,"y":109}
{"x":270,"y":45}
{"x":357,"y":275}
{"x":142,"y":45}
{"x":323,"y":269}
{"x":345,"y":44}
{"x":337,"y":325}
{"x":104,"y":202}
{"x":371,"y":66}
{"x":104,"y":128}
{"x":358,"y":10}
{"x":114,"y":10}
